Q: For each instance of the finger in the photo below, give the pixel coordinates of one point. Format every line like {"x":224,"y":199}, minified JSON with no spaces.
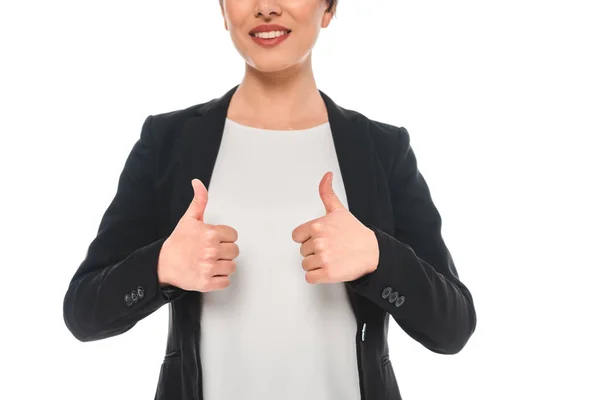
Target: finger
{"x":227,"y":233}
{"x":328,"y":196}
{"x":197,"y":206}
{"x":302,"y":232}
{"x":228,"y":251}
{"x":311,"y":262}
{"x":316,"y":276}
{"x":218,"y":283}
{"x":223,"y":268}
{"x":308,"y":247}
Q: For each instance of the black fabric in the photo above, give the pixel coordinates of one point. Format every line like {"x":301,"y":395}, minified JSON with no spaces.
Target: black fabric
{"x":385,"y":191}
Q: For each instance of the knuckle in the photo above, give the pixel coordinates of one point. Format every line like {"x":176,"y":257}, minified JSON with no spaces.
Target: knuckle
{"x":211,"y":232}
{"x":319,"y":244}
{"x":211,"y":268}
{"x":316,"y":227}
{"x":323,"y":259}
{"x":210,"y":253}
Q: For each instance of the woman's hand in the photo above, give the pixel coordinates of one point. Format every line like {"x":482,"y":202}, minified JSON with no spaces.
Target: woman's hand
{"x":336,"y":247}
{"x":198,"y":256}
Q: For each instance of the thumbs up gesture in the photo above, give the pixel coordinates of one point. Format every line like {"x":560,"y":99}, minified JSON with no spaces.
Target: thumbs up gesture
{"x":336,"y":247}
{"x":198,"y":256}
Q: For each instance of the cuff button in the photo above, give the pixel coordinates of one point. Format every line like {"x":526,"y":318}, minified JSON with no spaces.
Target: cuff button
{"x":386,"y":292}
{"x":399,"y":301}
{"x":128,"y":300}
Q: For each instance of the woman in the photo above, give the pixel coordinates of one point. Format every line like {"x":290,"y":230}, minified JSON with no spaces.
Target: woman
{"x":319,"y":227}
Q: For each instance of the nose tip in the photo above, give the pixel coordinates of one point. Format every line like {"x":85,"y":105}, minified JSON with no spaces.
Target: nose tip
{"x":267,"y":10}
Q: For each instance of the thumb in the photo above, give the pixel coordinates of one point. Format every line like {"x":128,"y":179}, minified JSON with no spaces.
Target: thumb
{"x":330,"y":199}
{"x":199,"y":201}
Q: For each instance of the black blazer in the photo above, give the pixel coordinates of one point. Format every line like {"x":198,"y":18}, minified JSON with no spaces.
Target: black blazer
{"x":416,"y":281}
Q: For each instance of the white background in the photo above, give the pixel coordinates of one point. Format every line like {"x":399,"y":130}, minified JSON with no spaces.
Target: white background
{"x":502,"y":101}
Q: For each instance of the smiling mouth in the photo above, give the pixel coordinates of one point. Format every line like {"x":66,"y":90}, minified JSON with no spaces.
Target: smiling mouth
{"x":270,"y":35}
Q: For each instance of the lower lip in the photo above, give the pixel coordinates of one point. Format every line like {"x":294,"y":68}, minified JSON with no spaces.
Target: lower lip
{"x":270,"y":42}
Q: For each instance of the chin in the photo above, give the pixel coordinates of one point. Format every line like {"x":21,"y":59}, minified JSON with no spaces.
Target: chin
{"x":271,"y":65}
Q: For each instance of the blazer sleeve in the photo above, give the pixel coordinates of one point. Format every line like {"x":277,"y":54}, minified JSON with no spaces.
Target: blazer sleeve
{"x":431,"y":304}
{"x":117,"y":285}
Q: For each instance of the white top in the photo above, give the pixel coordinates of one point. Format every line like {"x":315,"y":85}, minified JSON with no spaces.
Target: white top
{"x":270,"y":335}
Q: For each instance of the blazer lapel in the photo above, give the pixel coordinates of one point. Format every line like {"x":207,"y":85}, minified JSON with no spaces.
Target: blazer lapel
{"x":357,"y":160}
{"x":355,"y":153}
{"x":202,"y":136}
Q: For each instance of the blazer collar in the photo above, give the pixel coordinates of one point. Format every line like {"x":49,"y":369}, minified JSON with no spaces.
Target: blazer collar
{"x":355,"y":151}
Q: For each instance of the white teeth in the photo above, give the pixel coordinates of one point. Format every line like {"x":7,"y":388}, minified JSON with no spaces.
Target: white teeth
{"x":269,"y":35}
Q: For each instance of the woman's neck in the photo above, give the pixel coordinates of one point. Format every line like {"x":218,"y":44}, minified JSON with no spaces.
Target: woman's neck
{"x":287,"y":99}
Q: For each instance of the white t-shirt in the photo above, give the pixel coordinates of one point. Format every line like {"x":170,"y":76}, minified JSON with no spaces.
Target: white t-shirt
{"x":271,"y":335}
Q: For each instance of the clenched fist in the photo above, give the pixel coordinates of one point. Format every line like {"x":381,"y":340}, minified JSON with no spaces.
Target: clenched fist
{"x":198,"y":256}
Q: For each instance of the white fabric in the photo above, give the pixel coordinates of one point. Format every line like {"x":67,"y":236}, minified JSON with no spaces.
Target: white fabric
{"x":271,"y":335}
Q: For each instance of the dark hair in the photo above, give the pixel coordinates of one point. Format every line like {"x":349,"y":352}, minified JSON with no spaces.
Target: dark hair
{"x":331,"y":4}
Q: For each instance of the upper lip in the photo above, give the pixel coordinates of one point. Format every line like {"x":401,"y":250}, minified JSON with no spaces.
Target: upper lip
{"x":269,"y":28}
